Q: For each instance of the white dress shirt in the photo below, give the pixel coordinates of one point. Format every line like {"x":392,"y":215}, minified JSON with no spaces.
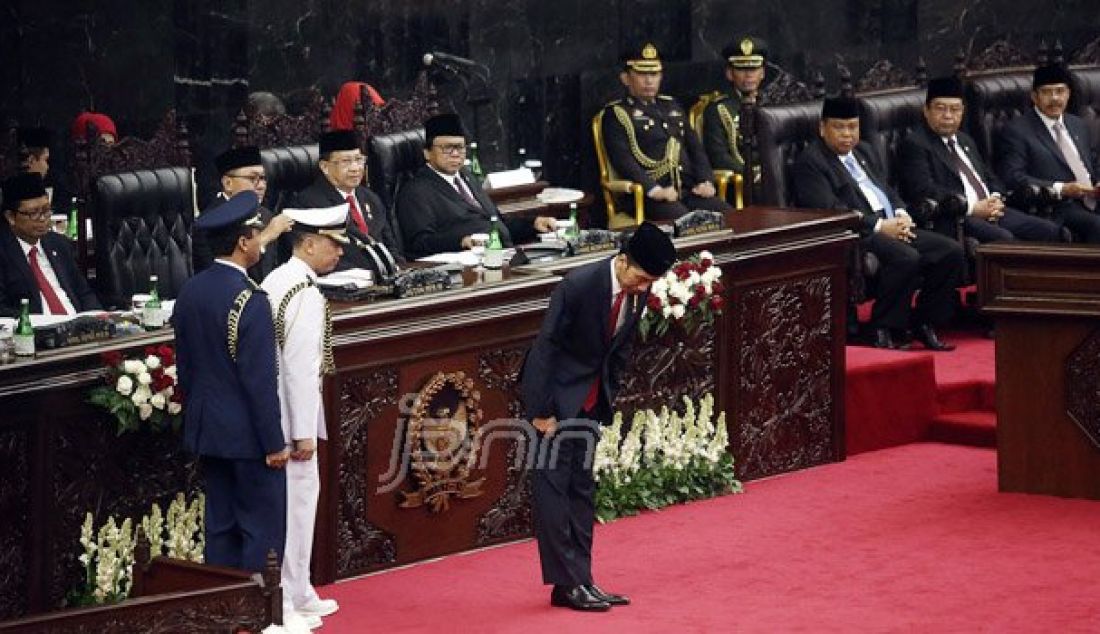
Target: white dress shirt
{"x":51,"y":277}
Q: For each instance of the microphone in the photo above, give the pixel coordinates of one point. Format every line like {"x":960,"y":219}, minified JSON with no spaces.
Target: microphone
{"x":448,"y":61}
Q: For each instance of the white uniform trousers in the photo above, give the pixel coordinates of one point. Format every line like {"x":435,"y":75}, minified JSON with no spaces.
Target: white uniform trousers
{"x":303,"y":486}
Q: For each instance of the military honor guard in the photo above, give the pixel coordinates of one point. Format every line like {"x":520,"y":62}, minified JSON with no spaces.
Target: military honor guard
{"x":226,"y":360}
{"x":303,"y":331}
{"x":745,"y":59}
{"x":649,"y":141}
{"x":569,"y":381}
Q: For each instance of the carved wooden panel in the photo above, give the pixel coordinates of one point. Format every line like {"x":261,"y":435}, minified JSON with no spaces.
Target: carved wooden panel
{"x":783,"y":417}
{"x":510,"y":516}
{"x":785,"y":89}
{"x":663,"y":369}
{"x":168,"y":147}
{"x":225,"y":612}
{"x":882,"y":76}
{"x":398,"y":115}
{"x":267,"y":131}
{"x":1083,"y":387}
{"x":14,"y":507}
{"x":999,"y":54}
{"x":360,"y":544}
{"x":1089,"y":53}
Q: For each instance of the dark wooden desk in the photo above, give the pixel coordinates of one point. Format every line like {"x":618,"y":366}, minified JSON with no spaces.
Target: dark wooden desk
{"x":522,"y":201}
{"x":1045,"y":300}
{"x":775,"y":361}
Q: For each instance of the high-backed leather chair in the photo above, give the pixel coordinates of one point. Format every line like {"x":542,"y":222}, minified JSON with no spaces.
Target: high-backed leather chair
{"x":393,"y":159}
{"x":886,"y":118}
{"x":1086,"y":98}
{"x":782,"y":132}
{"x":142,"y":226}
{"x":991,"y":101}
{"x":288,"y":169}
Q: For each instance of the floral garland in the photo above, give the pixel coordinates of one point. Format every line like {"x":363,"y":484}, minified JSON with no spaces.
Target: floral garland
{"x":108,"y":556}
{"x":664,"y":459}
{"x":141,"y":390}
{"x":689,"y":294}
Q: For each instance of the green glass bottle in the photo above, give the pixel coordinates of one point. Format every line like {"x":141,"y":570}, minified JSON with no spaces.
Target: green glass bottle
{"x":494,"y":251}
{"x":574,"y":230}
{"x":24,"y":331}
{"x":152,"y":316}
{"x":475,"y":163}
{"x":72,"y":231}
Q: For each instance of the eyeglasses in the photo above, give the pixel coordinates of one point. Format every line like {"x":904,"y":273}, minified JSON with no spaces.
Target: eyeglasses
{"x":36,"y":213}
{"x":451,"y":148}
{"x":255,"y":179}
{"x":345,"y":163}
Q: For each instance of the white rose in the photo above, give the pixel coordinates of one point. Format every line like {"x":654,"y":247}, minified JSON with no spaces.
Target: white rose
{"x":152,"y":362}
{"x":174,"y":408}
{"x":678,"y":311}
{"x":133,"y":366}
{"x":666,"y":311}
{"x":693,"y":278}
{"x":706,"y":255}
{"x":170,"y":371}
{"x":144,"y":378}
{"x":659,"y":287}
{"x":125,"y":385}
{"x":145,"y":411}
{"x":157,"y":401}
{"x":141,"y":396}
{"x":168,"y":391}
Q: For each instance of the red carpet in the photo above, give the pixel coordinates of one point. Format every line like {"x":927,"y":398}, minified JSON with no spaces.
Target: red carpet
{"x":911,"y":539}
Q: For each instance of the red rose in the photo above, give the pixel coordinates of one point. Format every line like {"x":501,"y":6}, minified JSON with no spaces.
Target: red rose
{"x":717,"y":288}
{"x":694,"y":301}
{"x":716,"y":303}
{"x":167,"y":354}
{"x":112,"y":359}
{"x":706,"y":262}
{"x":654,"y":303}
{"x":700,"y":291}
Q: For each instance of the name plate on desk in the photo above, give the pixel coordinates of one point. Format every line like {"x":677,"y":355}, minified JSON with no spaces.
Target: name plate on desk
{"x":421,"y":282}
{"x":699,"y":221}
{"x":593,"y":241}
{"x":79,"y":329}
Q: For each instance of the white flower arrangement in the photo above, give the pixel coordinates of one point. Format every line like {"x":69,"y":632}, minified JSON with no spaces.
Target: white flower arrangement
{"x":108,"y":555}
{"x":689,"y":294}
{"x":141,"y":391}
{"x":663,"y":459}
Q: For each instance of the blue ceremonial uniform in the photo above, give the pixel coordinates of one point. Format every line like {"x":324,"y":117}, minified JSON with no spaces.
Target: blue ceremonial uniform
{"x":228,"y":373}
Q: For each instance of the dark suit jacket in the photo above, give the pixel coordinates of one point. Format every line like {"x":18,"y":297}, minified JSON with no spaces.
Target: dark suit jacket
{"x":202,"y":257}
{"x":231,"y":407}
{"x":381,"y":223}
{"x":928,"y":170}
{"x":434,"y":217}
{"x":17,"y":281}
{"x":1027,"y":154}
{"x":820,"y":181}
{"x":572,"y":349}
{"x":715,"y":140}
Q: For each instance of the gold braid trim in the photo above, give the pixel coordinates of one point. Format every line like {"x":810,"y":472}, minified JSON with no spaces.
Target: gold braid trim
{"x":729,"y":124}
{"x":235,"y":321}
{"x":657,"y":169}
{"x":328,"y":364}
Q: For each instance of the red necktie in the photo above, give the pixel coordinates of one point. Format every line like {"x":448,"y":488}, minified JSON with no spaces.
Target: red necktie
{"x":594,"y":391}
{"x":356,"y":215}
{"x":53,"y":302}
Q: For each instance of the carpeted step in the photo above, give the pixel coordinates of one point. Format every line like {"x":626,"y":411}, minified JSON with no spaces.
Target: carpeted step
{"x":977,"y":428}
{"x":967,"y":395}
{"x":890,"y":398}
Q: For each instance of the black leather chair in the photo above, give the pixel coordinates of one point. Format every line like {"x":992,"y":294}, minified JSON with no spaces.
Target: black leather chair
{"x":886,"y":118}
{"x":1086,"y":99}
{"x":991,"y":101}
{"x":142,"y":226}
{"x":782,"y":132}
{"x":392,"y":160}
{"x":289,"y":169}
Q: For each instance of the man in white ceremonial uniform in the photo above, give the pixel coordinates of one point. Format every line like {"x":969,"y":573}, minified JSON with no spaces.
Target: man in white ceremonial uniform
{"x":303,"y":331}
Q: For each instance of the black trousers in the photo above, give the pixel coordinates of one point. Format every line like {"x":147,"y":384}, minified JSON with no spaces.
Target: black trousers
{"x":931,"y":264}
{"x":245,"y":512}
{"x":563,"y":501}
{"x":1084,"y":224}
{"x":1014,"y":225}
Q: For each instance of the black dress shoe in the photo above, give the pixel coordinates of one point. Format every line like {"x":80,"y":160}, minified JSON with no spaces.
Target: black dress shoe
{"x":927,"y":336}
{"x":883,"y":339}
{"x":607,"y":597}
{"x":577,"y":598}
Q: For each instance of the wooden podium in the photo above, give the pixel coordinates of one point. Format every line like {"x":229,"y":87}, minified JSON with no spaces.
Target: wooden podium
{"x":1046,"y":303}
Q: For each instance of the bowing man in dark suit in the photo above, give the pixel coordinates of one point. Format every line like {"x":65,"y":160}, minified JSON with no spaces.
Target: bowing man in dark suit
{"x":1048,"y":147}
{"x":839,"y":172}
{"x":442,"y":206}
{"x":569,"y":382}
{"x":36,"y":263}
{"x":242,"y":170}
{"x":340,"y":182}
{"x":939,"y":162}
{"x":226,"y":359}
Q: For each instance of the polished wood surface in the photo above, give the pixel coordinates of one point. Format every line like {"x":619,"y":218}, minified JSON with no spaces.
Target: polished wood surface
{"x":1045,"y":300}
{"x":775,"y":361}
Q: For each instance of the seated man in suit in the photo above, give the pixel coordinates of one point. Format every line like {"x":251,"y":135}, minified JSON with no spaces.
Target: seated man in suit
{"x":241,"y":170}
{"x":649,"y":141}
{"x":343,"y":168}
{"x":941,"y":163}
{"x":36,"y":263}
{"x":441,"y":207}
{"x":745,"y":58}
{"x":1048,"y":147}
{"x":839,"y":172}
